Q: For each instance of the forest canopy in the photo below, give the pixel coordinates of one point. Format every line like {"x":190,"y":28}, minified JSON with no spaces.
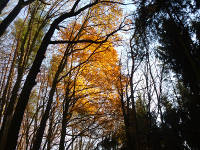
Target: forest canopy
{"x":99,"y":74}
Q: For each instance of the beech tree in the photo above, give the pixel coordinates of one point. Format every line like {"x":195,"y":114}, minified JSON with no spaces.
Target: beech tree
{"x":29,"y":83}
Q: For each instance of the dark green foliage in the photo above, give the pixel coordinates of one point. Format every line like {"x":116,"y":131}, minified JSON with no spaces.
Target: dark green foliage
{"x":179,"y":52}
{"x":174,"y":24}
{"x":108,"y":144}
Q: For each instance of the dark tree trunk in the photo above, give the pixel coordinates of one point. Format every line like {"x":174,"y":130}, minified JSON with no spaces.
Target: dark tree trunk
{"x":40,"y":131}
{"x":6,"y":90}
{"x":28,"y":85}
{"x":30,"y":80}
{"x":64,"y":125}
{"x":13,"y":100}
{"x":12,"y":15}
{"x":50,"y":131}
{"x":3,"y":4}
{"x":9,"y":112}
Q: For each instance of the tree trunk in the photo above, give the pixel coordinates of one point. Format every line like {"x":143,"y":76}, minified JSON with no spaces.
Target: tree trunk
{"x":50,"y":131}
{"x":6,"y":90}
{"x":26,"y":90}
{"x":13,"y":100}
{"x":40,"y":132}
{"x":30,"y":80}
{"x":3,"y":4}
{"x":64,"y":124}
{"x":12,"y":15}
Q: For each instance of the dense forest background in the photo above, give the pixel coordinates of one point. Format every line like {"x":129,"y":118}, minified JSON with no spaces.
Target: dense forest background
{"x":100,"y":74}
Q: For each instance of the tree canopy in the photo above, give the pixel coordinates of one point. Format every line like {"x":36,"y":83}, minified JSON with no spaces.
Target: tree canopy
{"x":99,"y":74}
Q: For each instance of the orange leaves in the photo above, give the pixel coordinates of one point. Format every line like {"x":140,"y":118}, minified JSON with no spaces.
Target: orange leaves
{"x":107,"y":15}
{"x":97,"y":70}
{"x":91,"y":68}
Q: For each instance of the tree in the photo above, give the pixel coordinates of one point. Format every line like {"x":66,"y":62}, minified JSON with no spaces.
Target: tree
{"x":27,"y":44}
{"x":13,"y":14}
{"x":82,"y":63}
{"x":63,"y":84}
{"x":3,"y":4}
{"x":171,"y":25}
{"x":61,"y":66}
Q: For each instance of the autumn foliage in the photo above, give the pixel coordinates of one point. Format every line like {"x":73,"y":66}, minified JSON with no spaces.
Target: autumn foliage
{"x":99,"y":75}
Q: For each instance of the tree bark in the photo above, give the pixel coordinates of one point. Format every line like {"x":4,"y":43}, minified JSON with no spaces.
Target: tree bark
{"x":3,"y":4}
{"x":13,"y":100}
{"x":40,"y":131}
{"x":50,"y":131}
{"x":30,"y":80}
{"x":64,"y":124}
{"x":12,"y":15}
{"x":6,"y":90}
{"x":28,"y":85}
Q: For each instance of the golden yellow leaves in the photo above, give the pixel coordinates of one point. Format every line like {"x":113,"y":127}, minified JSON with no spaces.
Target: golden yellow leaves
{"x":107,"y":15}
{"x":97,"y":70}
{"x":92,"y":67}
